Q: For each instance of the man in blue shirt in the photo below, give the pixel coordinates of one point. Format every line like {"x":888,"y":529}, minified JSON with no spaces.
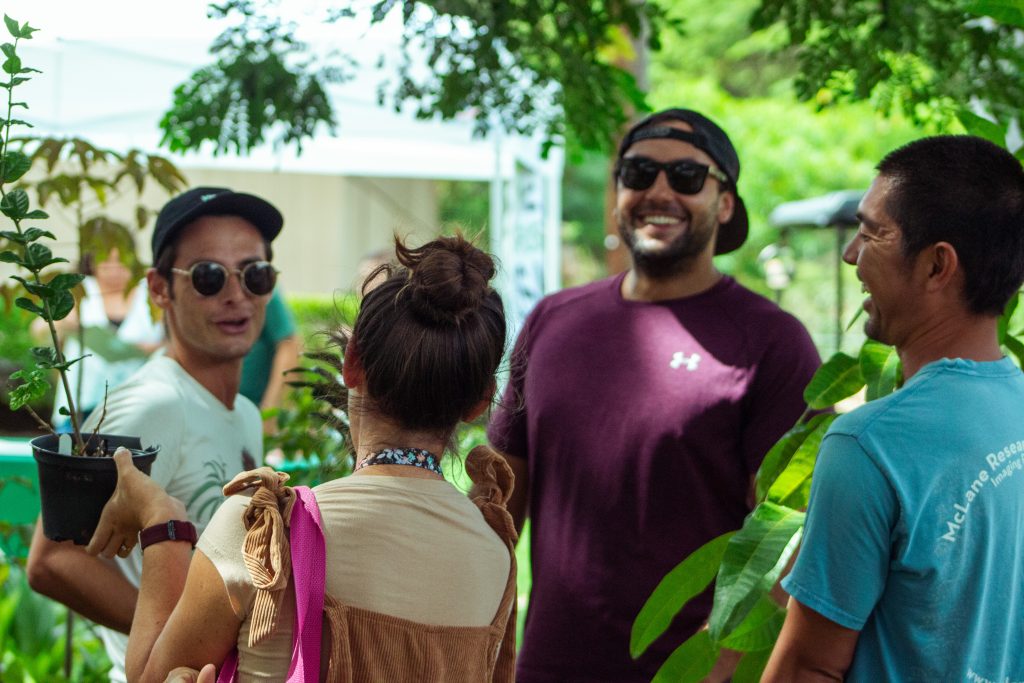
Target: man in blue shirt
{"x":913,"y":553}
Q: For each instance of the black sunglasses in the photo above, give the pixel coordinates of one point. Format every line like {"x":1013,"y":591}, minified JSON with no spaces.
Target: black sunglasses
{"x":209,"y":277}
{"x":685,"y":177}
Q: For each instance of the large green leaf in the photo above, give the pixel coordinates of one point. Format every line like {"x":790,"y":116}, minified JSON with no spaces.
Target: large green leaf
{"x":16,"y":164}
{"x":691,"y":661}
{"x":14,"y":205}
{"x":759,"y":630}
{"x":1016,"y":347}
{"x":782,"y":452}
{"x":837,"y":379}
{"x":880,"y":365}
{"x":689,"y":578}
{"x":755,"y":557}
{"x":751,"y":666}
{"x":793,"y":485}
{"x":1009,"y":12}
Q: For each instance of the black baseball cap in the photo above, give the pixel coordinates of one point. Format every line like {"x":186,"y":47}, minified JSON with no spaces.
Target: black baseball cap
{"x":215,"y":201}
{"x":707,"y":136}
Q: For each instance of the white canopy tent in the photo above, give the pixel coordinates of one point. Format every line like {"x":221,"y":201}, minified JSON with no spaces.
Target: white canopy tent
{"x":111,"y":85}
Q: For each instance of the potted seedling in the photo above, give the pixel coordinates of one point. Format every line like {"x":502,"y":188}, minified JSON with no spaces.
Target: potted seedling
{"x":76,"y":474}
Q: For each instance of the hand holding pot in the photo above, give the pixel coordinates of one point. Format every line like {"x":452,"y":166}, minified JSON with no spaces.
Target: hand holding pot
{"x":138,"y":502}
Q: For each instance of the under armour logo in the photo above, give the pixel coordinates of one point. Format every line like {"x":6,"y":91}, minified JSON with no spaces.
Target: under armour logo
{"x":679,"y":358}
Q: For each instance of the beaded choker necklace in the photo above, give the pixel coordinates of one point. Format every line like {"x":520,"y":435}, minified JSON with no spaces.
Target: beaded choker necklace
{"x":416,"y":457}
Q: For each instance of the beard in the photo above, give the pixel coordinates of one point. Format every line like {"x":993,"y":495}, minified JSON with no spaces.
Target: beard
{"x":663,"y":260}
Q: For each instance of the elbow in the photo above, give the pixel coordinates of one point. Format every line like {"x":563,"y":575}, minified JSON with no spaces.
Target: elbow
{"x":40,"y":573}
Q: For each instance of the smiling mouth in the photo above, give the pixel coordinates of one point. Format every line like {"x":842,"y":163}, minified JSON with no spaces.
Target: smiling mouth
{"x":234,"y":326}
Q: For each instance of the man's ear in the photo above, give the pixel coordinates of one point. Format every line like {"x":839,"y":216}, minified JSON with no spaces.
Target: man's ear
{"x":352,"y":369}
{"x":726,"y":206}
{"x":159,"y":289}
{"x":942,"y":264}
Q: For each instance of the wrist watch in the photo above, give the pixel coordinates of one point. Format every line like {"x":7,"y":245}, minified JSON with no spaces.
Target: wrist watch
{"x":173,"y":530}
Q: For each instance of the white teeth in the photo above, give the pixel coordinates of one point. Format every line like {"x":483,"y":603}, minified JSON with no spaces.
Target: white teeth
{"x":660,"y":220}
{"x":864,"y":288}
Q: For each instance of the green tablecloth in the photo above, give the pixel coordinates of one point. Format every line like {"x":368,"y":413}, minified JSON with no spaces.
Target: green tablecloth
{"x":19,"y":492}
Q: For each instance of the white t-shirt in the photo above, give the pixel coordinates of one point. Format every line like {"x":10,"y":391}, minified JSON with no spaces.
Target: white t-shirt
{"x":202,"y":446}
{"x":417,"y":549}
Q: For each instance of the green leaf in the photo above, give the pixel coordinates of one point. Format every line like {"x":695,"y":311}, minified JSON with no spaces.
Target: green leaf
{"x":688,"y":579}
{"x":982,"y":127}
{"x":61,"y":304}
{"x":43,"y":354}
{"x":33,"y":387}
{"x":38,"y":256}
{"x":66,"y":281}
{"x":690,"y":662}
{"x":33,"y":234}
{"x":10,"y":257}
{"x":782,"y":452}
{"x":752,"y":563}
{"x":12,"y":28}
{"x":751,"y":666}
{"x":1016,"y":347}
{"x":38,"y":215}
{"x":1009,"y":12}
{"x":14,"y":205}
{"x":12,"y":65}
{"x":880,"y":366}
{"x":15,"y":164}
{"x":759,"y":630}
{"x":837,"y":379}
{"x":29,"y":305}
{"x":793,"y":485}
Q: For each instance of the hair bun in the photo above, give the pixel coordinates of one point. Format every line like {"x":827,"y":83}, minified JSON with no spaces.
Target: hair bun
{"x":448,"y":278}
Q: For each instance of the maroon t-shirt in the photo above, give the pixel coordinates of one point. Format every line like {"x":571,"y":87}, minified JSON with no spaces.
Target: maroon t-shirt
{"x":642,"y":424}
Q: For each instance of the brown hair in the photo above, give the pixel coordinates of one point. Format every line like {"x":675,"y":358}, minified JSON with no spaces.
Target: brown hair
{"x":430,"y":337}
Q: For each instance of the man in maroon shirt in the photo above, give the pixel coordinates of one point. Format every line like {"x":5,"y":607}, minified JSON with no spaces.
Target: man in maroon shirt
{"x":640,"y":407}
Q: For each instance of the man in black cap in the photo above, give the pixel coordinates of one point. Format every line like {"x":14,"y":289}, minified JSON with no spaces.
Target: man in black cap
{"x":640,"y":406}
{"x":212,"y":277}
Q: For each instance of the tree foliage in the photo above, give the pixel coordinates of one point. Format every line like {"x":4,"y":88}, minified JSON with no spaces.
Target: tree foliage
{"x":927,"y":59}
{"x":523,"y":65}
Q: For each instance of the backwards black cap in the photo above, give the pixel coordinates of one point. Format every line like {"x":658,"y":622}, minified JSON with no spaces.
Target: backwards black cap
{"x":707,"y":136}
{"x":216,"y":201}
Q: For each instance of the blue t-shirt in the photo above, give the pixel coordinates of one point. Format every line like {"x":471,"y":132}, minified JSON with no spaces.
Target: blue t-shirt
{"x":915,"y":529}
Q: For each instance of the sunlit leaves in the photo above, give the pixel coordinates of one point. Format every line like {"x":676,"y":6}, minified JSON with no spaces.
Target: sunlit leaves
{"x":690,"y":662}
{"x":685,"y":581}
{"x":838,"y":378}
{"x":753,"y":561}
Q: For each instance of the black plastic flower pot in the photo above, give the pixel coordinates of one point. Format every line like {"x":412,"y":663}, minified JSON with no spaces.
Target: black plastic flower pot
{"x":74,"y":488}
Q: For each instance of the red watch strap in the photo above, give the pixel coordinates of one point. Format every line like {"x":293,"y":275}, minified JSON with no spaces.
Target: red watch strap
{"x":173,"y":530}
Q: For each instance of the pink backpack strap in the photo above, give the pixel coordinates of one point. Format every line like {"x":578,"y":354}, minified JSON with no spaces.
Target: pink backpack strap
{"x":309,"y":569}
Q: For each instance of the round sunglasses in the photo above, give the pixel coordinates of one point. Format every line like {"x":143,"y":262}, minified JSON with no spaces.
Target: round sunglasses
{"x":209,"y":277}
{"x":685,"y":177}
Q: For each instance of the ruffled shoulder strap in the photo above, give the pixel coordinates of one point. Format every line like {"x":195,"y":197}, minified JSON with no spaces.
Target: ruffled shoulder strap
{"x":493,"y":482}
{"x":265,"y":550}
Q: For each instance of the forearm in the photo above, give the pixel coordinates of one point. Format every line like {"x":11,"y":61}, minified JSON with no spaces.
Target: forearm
{"x":89,"y":585}
{"x":164,"y":569}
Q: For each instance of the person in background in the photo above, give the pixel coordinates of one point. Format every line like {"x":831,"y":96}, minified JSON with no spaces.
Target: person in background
{"x":275,"y":352}
{"x":640,"y":406}
{"x":912,"y":559}
{"x":420,"y":580}
{"x":212,"y":277}
{"x":118,"y":330}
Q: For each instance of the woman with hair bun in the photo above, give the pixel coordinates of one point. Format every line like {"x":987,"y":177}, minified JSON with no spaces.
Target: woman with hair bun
{"x":420,"y":580}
